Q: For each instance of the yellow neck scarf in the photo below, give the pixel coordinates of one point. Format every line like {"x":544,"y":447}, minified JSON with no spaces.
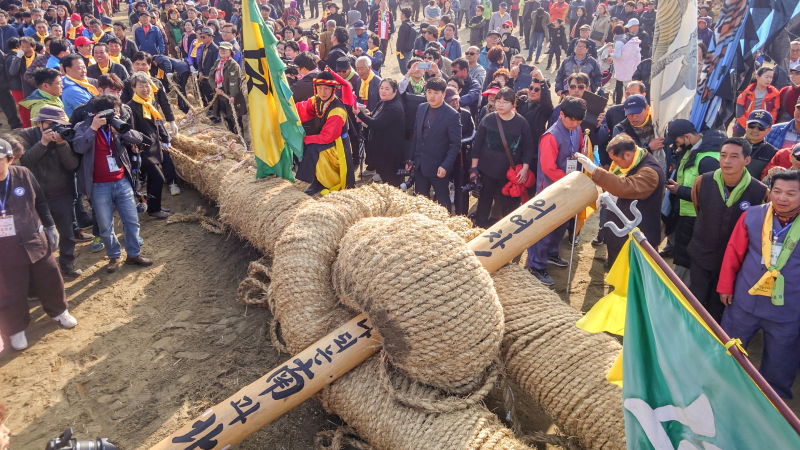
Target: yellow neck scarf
{"x":117,"y":59}
{"x":96,"y":39}
{"x":363,"y":93}
{"x":29,"y":60}
{"x":148,"y":110}
{"x":195,"y":45}
{"x":371,"y":52}
{"x":637,"y":158}
{"x":104,"y":70}
{"x":84,"y":84}
{"x":41,"y":36}
{"x":71,"y":34}
{"x":771,"y":284}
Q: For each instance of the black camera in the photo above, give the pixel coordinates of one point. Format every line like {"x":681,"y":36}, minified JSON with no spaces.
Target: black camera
{"x":403,"y":172}
{"x":469,"y":187}
{"x":312,"y":33}
{"x":66,"y":132}
{"x":66,"y":442}
{"x":111,"y":119}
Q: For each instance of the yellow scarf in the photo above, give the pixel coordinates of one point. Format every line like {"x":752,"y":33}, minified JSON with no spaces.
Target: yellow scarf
{"x":84,"y":84}
{"x":159,"y":75}
{"x":41,"y":37}
{"x":195,"y":45}
{"x":29,"y":60}
{"x":71,"y":34}
{"x":104,"y":70}
{"x":637,"y":158}
{"x":148,"y":110}
{"x":96,"y":39}
{"x":363,"y":93}
{"x":117,"y":59}
{"x":371,"y":52}
{"x":771,"y":284}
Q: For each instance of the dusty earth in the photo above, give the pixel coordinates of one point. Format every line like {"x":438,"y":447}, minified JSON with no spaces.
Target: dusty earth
{"x":156,"y":346}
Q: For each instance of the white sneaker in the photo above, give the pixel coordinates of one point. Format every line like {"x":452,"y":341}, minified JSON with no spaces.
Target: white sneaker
{"x":66,"y":320}
{"x":174,"y":189}
{"x":377,"y":178}
{"x":18,"y":341}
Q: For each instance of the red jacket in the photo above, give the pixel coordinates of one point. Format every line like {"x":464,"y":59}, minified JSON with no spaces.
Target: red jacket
{"x":734,"y":255}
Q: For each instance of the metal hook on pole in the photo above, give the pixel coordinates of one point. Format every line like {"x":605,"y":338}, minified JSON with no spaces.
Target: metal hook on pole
{"x":629,"y":225}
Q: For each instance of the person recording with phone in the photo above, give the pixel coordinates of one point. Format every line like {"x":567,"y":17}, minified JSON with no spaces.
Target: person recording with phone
{"x":106,"y":175}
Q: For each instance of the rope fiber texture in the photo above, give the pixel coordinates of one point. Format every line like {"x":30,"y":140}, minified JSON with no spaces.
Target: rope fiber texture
{"x":560,"y":366}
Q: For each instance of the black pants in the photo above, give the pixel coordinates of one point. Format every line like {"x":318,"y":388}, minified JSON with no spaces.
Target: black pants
{"x":168,"y":168}
{"x":314,"y":6}
{"x":301,"y":9}
{"x":525,"y":33}
{"x":206,"y":92}
{"x":9,"y":107}
{"x":415,"y":11}
{"x":619,"y":92}
{"x":181,"y":82}
{"x":393,"y":8}
{"x":63,"y":212}
{"x":492,"y":186}
{"x":514,"y":16}
{"x":389,"y":175}
{"x":554,"y":50}
{"x":45,"y":278}
{"x":704,"y":287}
{"x":345,"y":8}
{"x":155,"y":184}
{"x":441,"y":188}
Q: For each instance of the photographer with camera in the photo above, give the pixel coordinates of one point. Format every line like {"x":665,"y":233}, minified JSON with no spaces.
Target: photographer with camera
{"x":27,"y":232}
{"x":105,"y":175}
{"x":52,"y":161}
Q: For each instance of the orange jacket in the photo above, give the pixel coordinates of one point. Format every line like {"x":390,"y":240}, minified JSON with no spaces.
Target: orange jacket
{"x":558,"y":11}
{"x":747,"y":100}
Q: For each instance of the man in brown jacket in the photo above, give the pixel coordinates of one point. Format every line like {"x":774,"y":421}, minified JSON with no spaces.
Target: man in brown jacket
{"x":634,"y":175}
{"x":325,"y":39}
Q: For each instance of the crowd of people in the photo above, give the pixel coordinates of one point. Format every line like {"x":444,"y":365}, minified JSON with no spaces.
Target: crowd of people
{"x":468,"y":116}
{"x":86,"y":97}
{"x":471,"y":116}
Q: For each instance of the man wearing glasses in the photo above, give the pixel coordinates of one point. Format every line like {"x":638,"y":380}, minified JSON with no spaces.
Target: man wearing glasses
{"x":759,"y":123}
{"x":581,"y":62}
{"x":786,"y":134}
{"x":476,"y":71}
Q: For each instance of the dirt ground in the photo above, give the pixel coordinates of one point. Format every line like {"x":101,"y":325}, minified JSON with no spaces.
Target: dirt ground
{"x":156,"y":346}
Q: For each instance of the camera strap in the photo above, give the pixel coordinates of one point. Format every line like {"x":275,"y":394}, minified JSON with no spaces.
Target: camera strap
{"x":107,"y":136}
{"x":503,"y":139}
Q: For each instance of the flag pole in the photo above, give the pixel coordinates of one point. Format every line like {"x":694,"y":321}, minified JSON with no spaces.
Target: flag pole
{"x":734,"y":350}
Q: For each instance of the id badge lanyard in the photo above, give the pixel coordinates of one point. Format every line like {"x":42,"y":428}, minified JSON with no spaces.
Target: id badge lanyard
{"x":5,"y":196}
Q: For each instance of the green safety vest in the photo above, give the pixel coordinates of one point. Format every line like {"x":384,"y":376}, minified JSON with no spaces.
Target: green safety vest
{"x":686,"y":177}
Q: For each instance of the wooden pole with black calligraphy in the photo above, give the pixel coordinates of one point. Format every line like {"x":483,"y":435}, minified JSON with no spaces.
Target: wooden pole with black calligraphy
{"x":305,"y":374}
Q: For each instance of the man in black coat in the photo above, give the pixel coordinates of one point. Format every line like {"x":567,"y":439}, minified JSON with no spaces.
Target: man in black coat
{"x":339,"y":46}
{"x":128,"y":47}
{"x":584,"y":34}
{"x":175,"y":69}
{"x":536,"y":109}
{"x":104,"y":64}
{"x":207,"y":55}
{"x":303,"y":89}
{"x":405,"y":39}
{"x":437,"y":141}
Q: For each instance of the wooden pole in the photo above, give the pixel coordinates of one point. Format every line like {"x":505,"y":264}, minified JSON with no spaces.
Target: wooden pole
{"x":737,"y":354}
{"x":305,"y":374}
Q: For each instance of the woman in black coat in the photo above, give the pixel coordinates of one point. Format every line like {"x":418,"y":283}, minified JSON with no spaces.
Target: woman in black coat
{"x":385,"y":145}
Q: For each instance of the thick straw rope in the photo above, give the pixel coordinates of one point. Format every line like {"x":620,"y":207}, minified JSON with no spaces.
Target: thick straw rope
{"x":560,"y":366}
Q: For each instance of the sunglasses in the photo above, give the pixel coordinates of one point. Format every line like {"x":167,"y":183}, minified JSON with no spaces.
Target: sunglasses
{"x":753,"y":126}
{"x":470,"y":53}
{"x":577,"y":86}
{"x":506,"y":26}
{"x":535,"y":89}
{"x":429,"y":58}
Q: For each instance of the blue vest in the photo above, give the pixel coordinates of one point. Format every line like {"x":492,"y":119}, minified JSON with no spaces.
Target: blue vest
{"x":566,"y":148}
{"x":752,"y":270}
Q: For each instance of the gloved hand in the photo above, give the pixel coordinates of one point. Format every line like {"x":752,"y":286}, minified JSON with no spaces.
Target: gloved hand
{"x":52,"y":235}
{"x":172,"y":128}
{"x":587,"y":163}
{"x":193,"y":70}
{"x":20,"y":53}
{"x":169,"y":75}
{"x":473,"y":175}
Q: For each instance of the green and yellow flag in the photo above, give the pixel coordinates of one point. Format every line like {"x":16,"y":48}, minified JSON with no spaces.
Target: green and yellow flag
{"x":277,"y":131}
{"x":682,"y":388}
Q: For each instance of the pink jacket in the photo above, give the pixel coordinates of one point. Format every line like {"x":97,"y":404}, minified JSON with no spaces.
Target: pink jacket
{"x":630,"y":59}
